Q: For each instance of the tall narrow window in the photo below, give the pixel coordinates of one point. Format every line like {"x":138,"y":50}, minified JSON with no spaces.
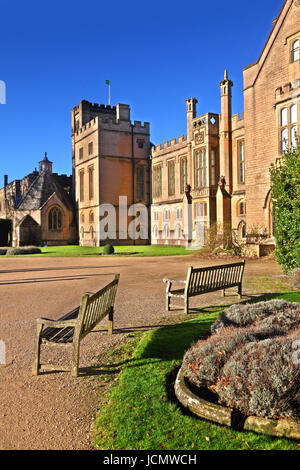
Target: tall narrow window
{"x":81,"y":153}
{"x":201,"y":209}
{"x":90,"y":148}
{"x":203,"y":169}
{"x":295,"y":51}
{"x":241,"y":157}
{"x":293,"y":114}
{"x":91,"y":182}
{"x":55,"y":219}
{"x":284,"y":138}
{"x":289,"y":123}
{"x":171,"y":177}
{"x":294,"y":137}
{"x":197,"y":169}
{"x":213,"y":168}
{"x":157,"y":181}
{"x":284,"y":117}
{"x":81,"y":185}
{"x":183,"y":174}
{"x":140,"y":182}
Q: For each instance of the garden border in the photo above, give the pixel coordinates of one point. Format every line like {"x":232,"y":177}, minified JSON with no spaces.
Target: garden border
{"x":288,"y":428}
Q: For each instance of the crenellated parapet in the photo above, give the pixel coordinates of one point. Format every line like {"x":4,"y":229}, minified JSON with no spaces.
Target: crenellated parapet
{"x":93,"y":123}
{"x":288,"y":90}
{"x":169,"y":145}
{"x":237,"y":121}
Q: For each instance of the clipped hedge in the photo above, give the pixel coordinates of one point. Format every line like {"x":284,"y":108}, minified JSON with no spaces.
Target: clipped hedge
{"x":24,"y":250}
{"x":243,"y":315}
{"x":108,"y":249}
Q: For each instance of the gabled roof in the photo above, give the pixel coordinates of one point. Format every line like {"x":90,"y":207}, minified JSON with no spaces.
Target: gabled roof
{"x":41,"y":190}
{"x":27,"y":221}
{"x":272,"y":37}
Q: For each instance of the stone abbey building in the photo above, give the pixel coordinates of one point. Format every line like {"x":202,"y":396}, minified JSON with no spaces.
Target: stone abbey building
{"x":39,"y":208}
{"x":214,"y":177}
{"x":218,"y":173}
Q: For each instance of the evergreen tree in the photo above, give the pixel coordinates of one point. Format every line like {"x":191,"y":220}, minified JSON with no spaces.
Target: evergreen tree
{"x":285,"y":187}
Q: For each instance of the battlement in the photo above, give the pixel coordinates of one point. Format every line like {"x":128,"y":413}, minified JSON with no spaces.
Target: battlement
{"x":283,"y":91}
{"x":92,"y":123}
{"x":139,"y":124}
{"x":237,"y":120}
{"x":109,"y":121}
{"x":169,"y":144}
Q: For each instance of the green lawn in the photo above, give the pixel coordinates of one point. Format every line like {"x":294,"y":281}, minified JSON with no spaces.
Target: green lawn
{"x":74,"y":250}
{"x":138,"y":413}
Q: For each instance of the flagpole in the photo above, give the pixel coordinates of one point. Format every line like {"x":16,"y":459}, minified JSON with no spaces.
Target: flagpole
{"x":108,"y":83}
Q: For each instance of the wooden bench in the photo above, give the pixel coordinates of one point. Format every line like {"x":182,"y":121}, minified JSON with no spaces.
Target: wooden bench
{"x":75,"y":325}
{"x":202,"y":280}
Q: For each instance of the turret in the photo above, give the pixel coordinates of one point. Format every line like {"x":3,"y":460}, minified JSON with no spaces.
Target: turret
{"x":45,"y":166}
{"x":191,"y":113}
{"x":225,"y":132}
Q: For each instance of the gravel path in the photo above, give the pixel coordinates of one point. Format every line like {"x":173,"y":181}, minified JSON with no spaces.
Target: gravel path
{"x":54,"y":410}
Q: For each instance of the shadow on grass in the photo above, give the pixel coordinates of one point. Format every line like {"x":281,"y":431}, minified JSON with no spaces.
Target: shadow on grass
{"x":169,"y":343}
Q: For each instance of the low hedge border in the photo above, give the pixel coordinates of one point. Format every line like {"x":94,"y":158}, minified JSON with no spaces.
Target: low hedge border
{"x":288,"y":428}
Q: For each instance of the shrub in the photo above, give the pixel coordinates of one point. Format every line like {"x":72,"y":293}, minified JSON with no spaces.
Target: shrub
{"x":25,"y":250}
{"x":260,"y":379}
{"x":205,"y":359}
{"x":247,"y":361}
{"x":242,"y":315}
{"x":108,"y":249}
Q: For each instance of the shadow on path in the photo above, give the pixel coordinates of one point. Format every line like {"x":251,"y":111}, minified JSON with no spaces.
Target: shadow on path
{"x":53,"y":279}
{"x":63,"y":268}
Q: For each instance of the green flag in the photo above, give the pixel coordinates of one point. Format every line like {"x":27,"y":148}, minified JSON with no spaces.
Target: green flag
{"x":107,"y":82}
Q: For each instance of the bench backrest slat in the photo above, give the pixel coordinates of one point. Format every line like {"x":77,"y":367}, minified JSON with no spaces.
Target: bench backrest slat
{"x":201,"y":280}
{"x":95,"y":307}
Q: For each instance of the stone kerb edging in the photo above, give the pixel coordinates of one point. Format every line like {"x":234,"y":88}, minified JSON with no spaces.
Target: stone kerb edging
{"x":222,"y":415}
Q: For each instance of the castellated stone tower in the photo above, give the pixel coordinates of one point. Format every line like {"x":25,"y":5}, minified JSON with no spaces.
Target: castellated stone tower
{"x":110,"y":159}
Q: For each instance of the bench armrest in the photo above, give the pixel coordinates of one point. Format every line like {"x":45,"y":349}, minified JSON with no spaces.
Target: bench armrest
{"x":173,"y":280}
{"x":56,"y":323}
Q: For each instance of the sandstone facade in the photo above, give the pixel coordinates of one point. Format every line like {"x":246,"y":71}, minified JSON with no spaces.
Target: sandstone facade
{"x":111,"y":159}
{"x":223,"y":161}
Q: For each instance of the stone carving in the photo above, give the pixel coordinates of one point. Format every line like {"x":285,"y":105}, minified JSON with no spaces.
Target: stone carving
{"x":199,"y":138}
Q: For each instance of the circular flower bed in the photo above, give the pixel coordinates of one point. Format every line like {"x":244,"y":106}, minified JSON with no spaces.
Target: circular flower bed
{"x":247,"y":363}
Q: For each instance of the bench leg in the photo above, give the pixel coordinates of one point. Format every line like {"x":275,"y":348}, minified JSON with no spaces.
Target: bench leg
{"x":37,"y":350}
{"x":111,"y":321}
{"x":168,"y":301}
{"x":240,"y":291}
{"x":75,"y":362}
{"x":223,"y":293}
{"x":168,"y":298}
{"x":186,"y":305}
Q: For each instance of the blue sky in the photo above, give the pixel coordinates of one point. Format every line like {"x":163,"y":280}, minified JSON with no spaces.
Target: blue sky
{"x":156,"y":54}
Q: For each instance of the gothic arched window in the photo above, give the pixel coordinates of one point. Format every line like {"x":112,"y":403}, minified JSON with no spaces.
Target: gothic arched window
{"x":295,"y":50}
{"x":55,"y":219}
